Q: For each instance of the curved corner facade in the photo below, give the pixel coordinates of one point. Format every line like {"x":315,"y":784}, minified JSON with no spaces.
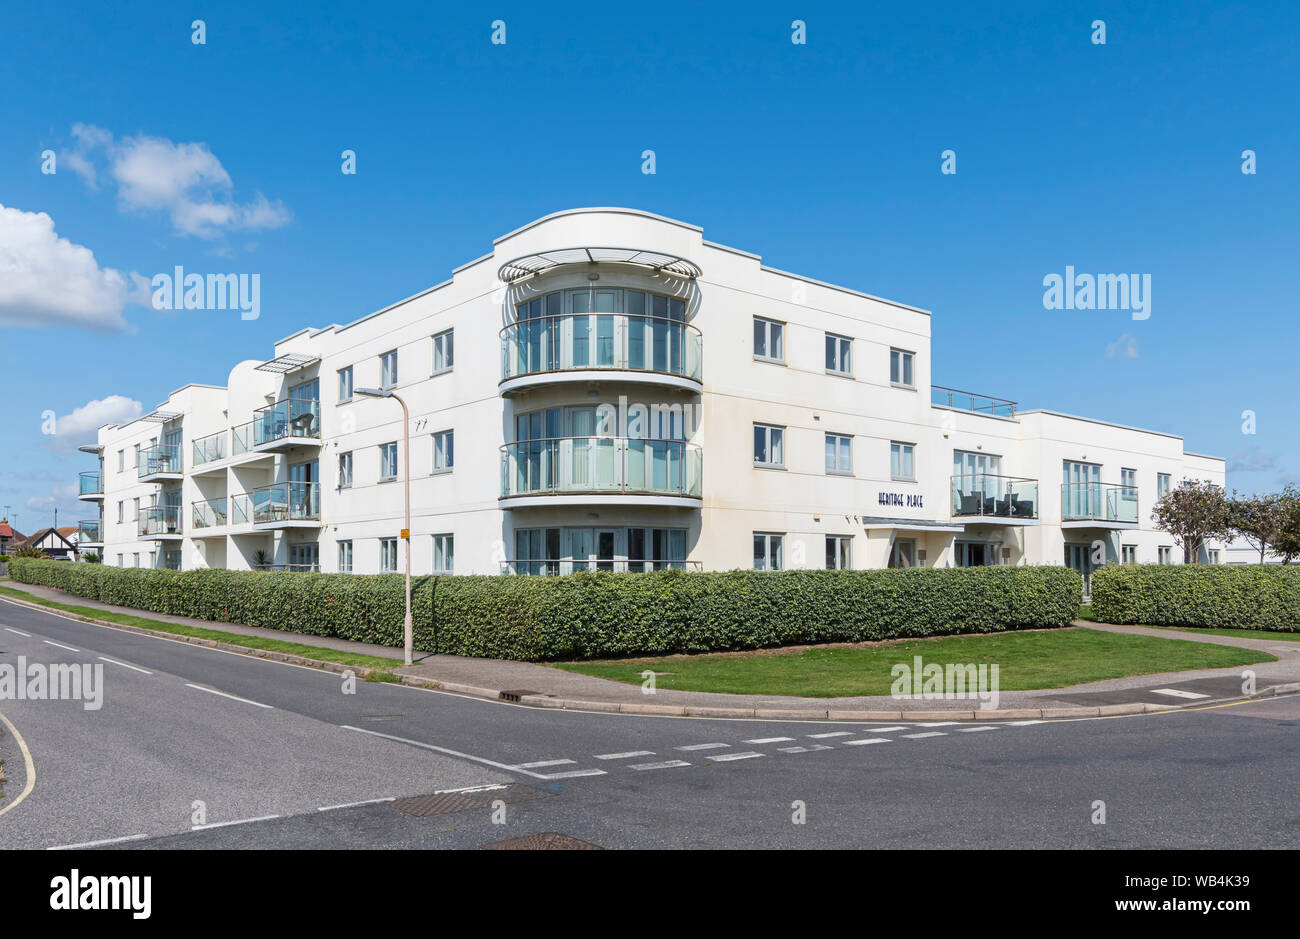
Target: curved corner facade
{"x":609,"y":390}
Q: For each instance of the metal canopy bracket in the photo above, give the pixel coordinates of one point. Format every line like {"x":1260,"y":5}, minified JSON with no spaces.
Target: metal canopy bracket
{"x":531,"y":265}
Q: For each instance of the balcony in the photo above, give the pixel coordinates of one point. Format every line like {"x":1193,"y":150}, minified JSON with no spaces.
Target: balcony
{"x":292,"y":568}
{"x":209,"y":519}
{"x":601,"y":470}
{"x":286,"y":505}
{"x":600,"y":347}
{"x":983,"y":498}
{"x":1099,"y":505}
{"x":969,"y":401}
{"x":160,"y":523}
{"x":557,"y":566}
{"x":206,"y":451}
{"x":293,"y":422}
{"x":90,"y":534}
{"x":91,"y":487}
{"x":159,"y":463}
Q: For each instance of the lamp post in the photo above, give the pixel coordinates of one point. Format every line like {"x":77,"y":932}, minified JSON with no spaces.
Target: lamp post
{"x":407,"y":625}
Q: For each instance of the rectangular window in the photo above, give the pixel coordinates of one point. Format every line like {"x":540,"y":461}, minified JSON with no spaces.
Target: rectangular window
{"x":769,"y":445}
{"x":839,"y":354}
{"x":1214,"y":555}
{"x":135,"y":509}
{"x":902,"y":460}
{"x":1162,"y":485}
{"x":768,"y":554}
{"x":119,"y":561}
{"x":345,"y":470}
{"x":1128,"y":554}
{"x":769,"y":340}
{"x":345,"y":557}
{"x":444,"y":561}
{"x":388,"y":461}
{"x":444,"y":454}
{"x":1164,"y":554}
{"x":839,"y":454}
{"x":900,"y":368}
{"x":443,"y":352}
{"x":345,"y":384}
{"x":387,"y":555}
{"x":121,"y":510}
{"x":137,"y":559}
{"x":388,"y":369}
{"x":121,"y":464}
{"x":839,"y":552}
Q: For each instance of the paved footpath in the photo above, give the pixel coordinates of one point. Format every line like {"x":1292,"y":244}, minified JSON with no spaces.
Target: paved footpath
{"x":545,"y":686}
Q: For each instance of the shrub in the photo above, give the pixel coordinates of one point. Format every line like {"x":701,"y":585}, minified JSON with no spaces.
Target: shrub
{"x":27,"y":551}
{"x":595,"y":614}
{"x":1213,"y":595}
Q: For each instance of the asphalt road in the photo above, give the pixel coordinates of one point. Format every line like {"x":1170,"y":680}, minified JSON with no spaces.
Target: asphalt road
{"x":198,"y":748}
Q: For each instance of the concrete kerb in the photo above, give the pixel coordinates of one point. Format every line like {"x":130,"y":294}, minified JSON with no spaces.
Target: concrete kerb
{"x":672,"y":710}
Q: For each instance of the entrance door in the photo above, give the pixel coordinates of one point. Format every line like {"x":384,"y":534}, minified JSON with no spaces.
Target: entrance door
{"x":604,"y":550}
{"x":1078,"y":557}
{"x":903,"y":554}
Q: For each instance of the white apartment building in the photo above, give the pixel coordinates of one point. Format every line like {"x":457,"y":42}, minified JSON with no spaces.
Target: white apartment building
{"x":608,"y":390}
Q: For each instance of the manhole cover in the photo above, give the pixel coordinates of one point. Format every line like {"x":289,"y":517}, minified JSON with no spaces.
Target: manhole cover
{"x":544,"y":841}
{"x":444,"y":803}
{"x":515,"y":695}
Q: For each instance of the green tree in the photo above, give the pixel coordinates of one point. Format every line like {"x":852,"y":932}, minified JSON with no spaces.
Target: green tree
{"x":1194,"y":513}
{"x":1258,"y":519}
{"x":1287,"y":541}
{"x":28,"y":551}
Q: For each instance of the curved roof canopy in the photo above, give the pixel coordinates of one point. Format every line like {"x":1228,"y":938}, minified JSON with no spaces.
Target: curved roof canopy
{"x":532,"y":264}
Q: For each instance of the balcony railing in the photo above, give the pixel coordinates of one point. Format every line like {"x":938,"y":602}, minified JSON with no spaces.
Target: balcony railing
{"x":89,"y":532}
{"x":160,"y":520}
{"x":163,"y":458}
{"x":241,"y":438}
{"x":629,"y":342}
{"x":286,"y":502}
{"x":92,"y":484}
{"x":210,"y":514}
{"x":969,"y":401}
{"x":570,"y":465}
{"x":299,"y":568}
{"x":556,"y":566}
{"x":1099,"y":502}
{"x":983,"y":494}
{"x":209,"y":449}
{"x":292,"y":417}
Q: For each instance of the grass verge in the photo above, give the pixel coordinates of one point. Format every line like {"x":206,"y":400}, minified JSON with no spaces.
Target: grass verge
{"x":1238,"y":633}
{"x":1026,"y":660}
{"x":235,"y":639}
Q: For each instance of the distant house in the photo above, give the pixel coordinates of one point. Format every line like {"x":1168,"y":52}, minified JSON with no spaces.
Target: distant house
{"x":9,"y":539}
{"x":53,"y":541}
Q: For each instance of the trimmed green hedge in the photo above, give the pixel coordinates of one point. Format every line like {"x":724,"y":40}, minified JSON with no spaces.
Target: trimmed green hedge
{"x":1215,"y":595}
{"x":594,"y":615}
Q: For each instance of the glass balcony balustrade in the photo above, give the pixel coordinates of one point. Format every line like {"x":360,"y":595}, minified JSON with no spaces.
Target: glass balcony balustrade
{"x":160,"y":520}
{"x":559,"y":566}
{"x":210,"y":449}
{"x":290,"y":418}
{"x":210,"y":514}
{"x":285,"y":502}
{"x":970,"y":401}
{"x":570,"y":465}
{"x":983,"y":494}
{"x":162,"y":458}
{"x":1103,"y":502}
{"x":241,"y":438}
{"x":91,"y":484}
{"x":89,"y":532}
{"x":601,"y":341}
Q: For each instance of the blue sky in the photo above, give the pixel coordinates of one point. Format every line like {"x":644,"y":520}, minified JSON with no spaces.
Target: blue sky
{"x":824,"y":158}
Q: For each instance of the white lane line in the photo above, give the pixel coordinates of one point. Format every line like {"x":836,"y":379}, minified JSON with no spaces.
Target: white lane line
{"x":624,"y":756}
{"x":19,"y":632}
{"x":883,"y":730}
{"x":464,"y":756}
{"x":133,"y":668}
{"x":540,"y":763}
{"x":95,"y":844}
{"x":353,"y":805}
{"x":230,"y":696}
{"x":726,"y":757}
{"x":575,"y":773}
{"x":1175,"y":693}
{"x":703,"y":746}
{"x":937,"y":724}
{"x":811,"y":748}
{"x":837,"y":733}
{"x":973,"y":730}
{"x":769,"y":740}
{"x":1024,"y":723}
{"x":667,"y":764}
{"x":242,"y":821}
{"x":865,"y":740}
{"x":51,"y":642}
{"x":933,"y":733}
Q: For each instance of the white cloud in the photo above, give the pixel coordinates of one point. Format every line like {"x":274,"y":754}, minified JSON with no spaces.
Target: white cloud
{"x":81,"y":426}
{"x":1250,"y":460}
{"x":1125,"y":347}
{"x":46,"y":280}
{"x":184,"y":180}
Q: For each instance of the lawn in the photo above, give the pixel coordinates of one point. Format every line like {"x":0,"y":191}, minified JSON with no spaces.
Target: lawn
{"x":1239,"y":633}
{"x":235,"y":639}
{"x":1025,"y":660}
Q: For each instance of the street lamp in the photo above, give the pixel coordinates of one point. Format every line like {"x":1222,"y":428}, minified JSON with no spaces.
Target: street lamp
{"x":407,"y":626}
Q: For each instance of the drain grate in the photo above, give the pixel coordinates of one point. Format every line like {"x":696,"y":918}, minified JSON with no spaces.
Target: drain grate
{"x":444,"y":803}
{"x":543,"y":841}
{"x":516,"y":695}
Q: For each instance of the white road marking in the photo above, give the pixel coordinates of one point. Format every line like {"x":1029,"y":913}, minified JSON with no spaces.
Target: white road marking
{"x":1175,"y":693}
{"x":725,"y":757}
{"x":124,"y":665}
{"x":230,"y":696}
{"x":667,"y":764}
{"x":937,"y":724}
{"x":353,"y":805}
{"x":242,"y":821}
{"x":624,"y":756}
{"x":51,"y":642}
{"x":576,"y":772}
{"x":884,"y":730}
{"x":933,"y":733}
{"x":863,"y":740}
{"x":95,"y":844}
{"x":449,"y":752}
{"x":811,"y":748}
{"x":836,"y":733}
{"x":19,"y":632}
{"x":1024,"y":723}
{"x":703,"y":746}
{"x":540,"y":763}
{"x":973,"y":730}
{"x":769,"y":740}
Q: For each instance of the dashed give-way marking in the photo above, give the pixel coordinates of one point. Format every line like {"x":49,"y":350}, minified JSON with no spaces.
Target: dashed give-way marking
{"x":1175,"y":693}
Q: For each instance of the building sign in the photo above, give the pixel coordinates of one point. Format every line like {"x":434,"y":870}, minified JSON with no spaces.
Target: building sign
{"x":909,"y":500}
